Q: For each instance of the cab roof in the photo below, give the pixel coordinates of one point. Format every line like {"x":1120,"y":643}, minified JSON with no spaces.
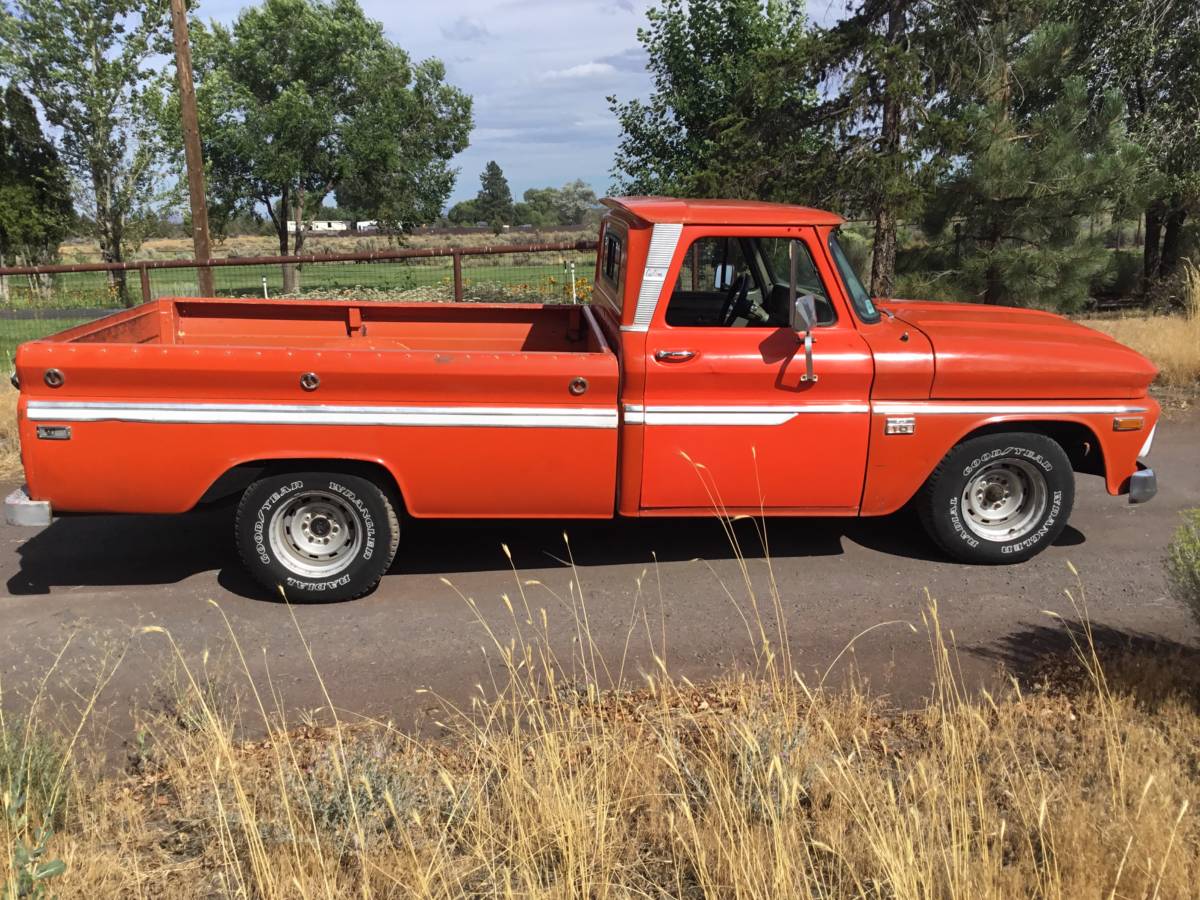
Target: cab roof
{"x":720,"y":212}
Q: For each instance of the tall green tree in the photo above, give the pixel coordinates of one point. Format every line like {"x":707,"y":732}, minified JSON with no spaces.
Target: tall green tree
{"x":494,"y":202}
{"x":1150,"y":53}
{"x":730,"y":110}
{"x":89,"y":64}
{"x":301,"y":99}
{"x":465,"y":212}
{"x":1035,"y":160}
{"x":875,"y":62}
{"x":36,"y":212}
{"x":568,"y":206}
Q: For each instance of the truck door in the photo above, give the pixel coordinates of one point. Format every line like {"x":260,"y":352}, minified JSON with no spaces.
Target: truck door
{"x":730,"y":420}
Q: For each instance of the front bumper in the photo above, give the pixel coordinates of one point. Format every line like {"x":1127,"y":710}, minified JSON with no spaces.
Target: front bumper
{"x":1143,"y":484}
{"x":21,"y":509}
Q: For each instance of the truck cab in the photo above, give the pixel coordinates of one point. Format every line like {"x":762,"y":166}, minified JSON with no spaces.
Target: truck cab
{"x":871,"y":405}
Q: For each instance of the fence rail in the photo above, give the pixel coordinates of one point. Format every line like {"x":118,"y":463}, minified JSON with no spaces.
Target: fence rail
{"x":38,"y":300}
{"x":456,"y":255}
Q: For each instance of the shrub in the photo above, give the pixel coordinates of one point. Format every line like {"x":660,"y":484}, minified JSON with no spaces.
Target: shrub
{"x":1183,"y":563}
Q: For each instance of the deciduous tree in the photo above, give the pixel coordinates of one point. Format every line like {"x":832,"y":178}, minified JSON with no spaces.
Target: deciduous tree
{"x":301,"y":99}
{"x":89,"y":65}
{"x":730,"y":110}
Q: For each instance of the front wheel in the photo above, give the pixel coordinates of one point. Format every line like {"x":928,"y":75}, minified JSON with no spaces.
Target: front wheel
{"x":999,"y":498}
{"x":317,"y":535}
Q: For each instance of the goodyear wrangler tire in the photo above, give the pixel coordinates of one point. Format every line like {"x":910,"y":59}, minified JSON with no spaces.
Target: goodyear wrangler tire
{"x":318,"y":536}
{"x":999,"y":498}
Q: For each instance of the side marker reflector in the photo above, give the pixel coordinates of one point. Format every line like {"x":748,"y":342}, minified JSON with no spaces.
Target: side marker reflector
{"x":1128,"y":423}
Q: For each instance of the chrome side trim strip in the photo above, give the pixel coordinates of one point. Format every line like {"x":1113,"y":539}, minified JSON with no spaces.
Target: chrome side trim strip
{"x":283,"y":414}
{"x":663,"y":242}
{"x":937,"y":408}
{"x":732,"y":415}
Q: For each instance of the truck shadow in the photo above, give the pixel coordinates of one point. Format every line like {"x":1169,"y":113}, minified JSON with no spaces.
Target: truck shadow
{"x":1051,"y":656}
{"x":113,"y":551}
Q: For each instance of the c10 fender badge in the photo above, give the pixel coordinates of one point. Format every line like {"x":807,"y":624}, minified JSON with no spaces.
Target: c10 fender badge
{"x":900,"y":425}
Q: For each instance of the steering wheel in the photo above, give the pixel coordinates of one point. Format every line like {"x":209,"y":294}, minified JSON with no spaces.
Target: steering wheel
{"x":734,"y":299}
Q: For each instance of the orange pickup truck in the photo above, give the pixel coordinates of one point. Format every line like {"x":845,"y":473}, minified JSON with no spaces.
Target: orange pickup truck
{"x":730,"y":361}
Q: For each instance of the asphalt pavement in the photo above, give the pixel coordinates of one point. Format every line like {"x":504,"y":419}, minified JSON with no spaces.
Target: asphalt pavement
{"x":676,"y":588}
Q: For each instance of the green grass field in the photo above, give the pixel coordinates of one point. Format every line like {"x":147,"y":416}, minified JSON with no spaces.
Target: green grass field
{"x":543,"y":276}
{"x":17,"y":331}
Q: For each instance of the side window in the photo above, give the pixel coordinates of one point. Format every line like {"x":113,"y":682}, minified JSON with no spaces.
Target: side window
{"x":741,"y":282}
{"x":611,"y":268}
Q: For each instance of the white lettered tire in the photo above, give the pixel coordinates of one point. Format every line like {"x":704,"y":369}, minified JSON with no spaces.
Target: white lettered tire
{"x":317,"y":536}
{"x":998,"y":498}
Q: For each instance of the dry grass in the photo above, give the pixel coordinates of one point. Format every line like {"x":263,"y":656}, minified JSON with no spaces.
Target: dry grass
{"x":10,"y":447}
{"x":553,"y":784}
{"x":1171,"y":342}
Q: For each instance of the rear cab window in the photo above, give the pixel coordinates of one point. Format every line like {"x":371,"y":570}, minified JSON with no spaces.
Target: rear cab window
{"x":611,"y":265}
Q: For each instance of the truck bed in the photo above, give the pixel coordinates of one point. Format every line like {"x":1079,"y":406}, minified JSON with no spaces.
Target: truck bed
{"x":476,"y":410}
{"x":528,"y":328}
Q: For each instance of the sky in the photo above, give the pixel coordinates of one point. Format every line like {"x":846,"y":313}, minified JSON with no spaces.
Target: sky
{"x":539,"y":72}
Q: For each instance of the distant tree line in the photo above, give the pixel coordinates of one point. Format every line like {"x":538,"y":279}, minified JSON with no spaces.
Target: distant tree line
{"x":572,"y":205}
{"x":995,"y":146}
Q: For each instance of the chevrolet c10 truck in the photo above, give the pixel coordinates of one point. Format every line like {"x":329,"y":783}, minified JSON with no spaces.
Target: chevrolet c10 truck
{"x":730,"y":361}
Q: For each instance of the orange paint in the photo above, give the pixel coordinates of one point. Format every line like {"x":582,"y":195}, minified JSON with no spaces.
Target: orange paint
{"x":519,"y":410}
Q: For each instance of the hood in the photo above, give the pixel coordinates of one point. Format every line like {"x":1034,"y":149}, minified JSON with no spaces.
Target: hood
{"x":1022,"y":354}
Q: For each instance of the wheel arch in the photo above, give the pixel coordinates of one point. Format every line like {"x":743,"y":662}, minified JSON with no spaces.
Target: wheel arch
{"x":1078,"y":439}
{"x":236,"y":478}
{"x":896,"y":477}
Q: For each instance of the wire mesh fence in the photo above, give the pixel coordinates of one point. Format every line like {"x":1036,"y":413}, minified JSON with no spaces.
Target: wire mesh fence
{"x":39,"y":301}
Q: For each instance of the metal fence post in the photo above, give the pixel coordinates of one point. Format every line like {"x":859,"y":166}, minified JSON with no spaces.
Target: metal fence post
{"x":458,"y":281}
{"x":144,"y":277}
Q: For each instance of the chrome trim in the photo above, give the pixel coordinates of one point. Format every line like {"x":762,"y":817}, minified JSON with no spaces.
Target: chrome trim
{"x":732,"y":415}
{"x":284,"y":414}
{"x":1143,"y":485}
{"x":938,"y":408}
{"x":1145,"y":451}
{"x":663,"y":242}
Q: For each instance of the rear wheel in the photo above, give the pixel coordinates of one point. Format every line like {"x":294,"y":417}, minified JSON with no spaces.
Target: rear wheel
{"x":999,"y":498}
{"x":317,"y":535}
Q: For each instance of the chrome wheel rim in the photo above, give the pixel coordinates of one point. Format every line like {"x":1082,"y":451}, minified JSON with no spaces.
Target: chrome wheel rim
{"x":316,"y":534}
{"x":1005,"y":500}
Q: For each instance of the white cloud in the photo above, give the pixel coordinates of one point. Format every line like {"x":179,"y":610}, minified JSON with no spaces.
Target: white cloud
{"x":583,"y":70}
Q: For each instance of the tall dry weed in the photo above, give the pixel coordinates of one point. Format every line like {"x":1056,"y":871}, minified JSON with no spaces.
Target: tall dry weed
{"x":578,"y":776}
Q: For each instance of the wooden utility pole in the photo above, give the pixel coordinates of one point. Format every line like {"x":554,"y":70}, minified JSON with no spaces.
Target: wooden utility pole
{"x":191,"y":145}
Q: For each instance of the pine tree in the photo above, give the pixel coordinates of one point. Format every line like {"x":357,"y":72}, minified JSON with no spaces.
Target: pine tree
{"x":1037,"y":159}
{"x":35,"y":195}
{"x":876,"y":59}
{"x":494,"y":202}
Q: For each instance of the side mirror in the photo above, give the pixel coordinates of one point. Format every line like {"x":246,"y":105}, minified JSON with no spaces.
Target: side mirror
{"x":801,"y":310}
{"x":804,"y":313}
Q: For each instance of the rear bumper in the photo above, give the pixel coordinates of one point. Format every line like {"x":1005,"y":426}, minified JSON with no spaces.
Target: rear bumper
{"x":21,"y":509}
{"x":1143,"y":484}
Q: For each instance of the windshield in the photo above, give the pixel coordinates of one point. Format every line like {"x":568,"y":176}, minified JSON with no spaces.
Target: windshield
{"x":858,"y":294}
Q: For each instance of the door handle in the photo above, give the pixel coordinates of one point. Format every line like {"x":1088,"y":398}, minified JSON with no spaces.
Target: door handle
{"x":674,"y":355}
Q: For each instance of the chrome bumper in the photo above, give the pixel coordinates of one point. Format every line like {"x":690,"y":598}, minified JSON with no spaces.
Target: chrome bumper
{"x":1143,"y":484}
{"x":20,"y":509}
